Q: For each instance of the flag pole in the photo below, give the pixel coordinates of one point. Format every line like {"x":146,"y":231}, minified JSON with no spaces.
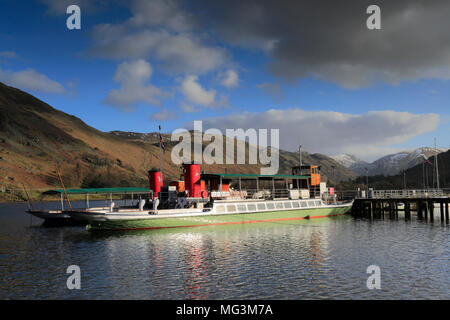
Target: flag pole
{"x":160,"y":151}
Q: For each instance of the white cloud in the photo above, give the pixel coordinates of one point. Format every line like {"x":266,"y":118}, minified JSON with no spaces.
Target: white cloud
{"x":177,"y":53}
{"x":160,"y":12}
{"x":132,"y":76}
{"x":195,"y":93}
{"x":163,"y":115}
{"x":230,"y":79}
{"x":188,"y":108}
{"x":272,"y":89}
{"x":368,"y":135}
{"x":32,"y":80}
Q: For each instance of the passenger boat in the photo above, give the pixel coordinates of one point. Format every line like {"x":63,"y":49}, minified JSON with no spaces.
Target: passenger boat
{"x":62,"y":216}
{"x":201,"y":199}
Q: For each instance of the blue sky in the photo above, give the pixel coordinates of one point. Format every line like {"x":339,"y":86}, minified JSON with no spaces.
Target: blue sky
{"x":135,"y":65}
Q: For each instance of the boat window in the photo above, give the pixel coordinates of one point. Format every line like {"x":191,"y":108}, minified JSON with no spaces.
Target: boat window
{"x":287,"y":205}
{"x":231,"y":208}
{"x":251,"y":207}
{"x":261,"y":206}
{"x":295,"y":204}
{"x":279,"y":205}
{"x":303,"y":204}
{"x":220,"y":209}
{"x":318,"y":203}
{"x":241,"y":207}
{"x":270,"y":205}
{"x":311,"y":204}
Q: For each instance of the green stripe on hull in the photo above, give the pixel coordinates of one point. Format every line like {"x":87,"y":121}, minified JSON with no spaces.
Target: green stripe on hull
{"x":215,"y":219}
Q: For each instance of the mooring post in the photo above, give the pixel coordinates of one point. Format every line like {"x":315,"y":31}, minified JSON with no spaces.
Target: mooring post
{"x":425,"y":209}
{"x":442,"y":209}
{"x":361,"y":206}
{"x":407,"y":210}
{"x":372,"y":213}
{"x":374,"y":207}
{"x":431,"y":209}
{"x":396,"y":209}
{"x":377,"y":208}
{"x":391,"y":209}
{"x":393,"y":204}
{"x":446,"y":211}
{"x":419,"y":210}
{"x":381,"y":208}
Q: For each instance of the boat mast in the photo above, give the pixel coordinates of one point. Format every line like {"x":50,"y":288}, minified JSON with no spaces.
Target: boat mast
{"x":300,"y":155}
{"x":436,"y":163}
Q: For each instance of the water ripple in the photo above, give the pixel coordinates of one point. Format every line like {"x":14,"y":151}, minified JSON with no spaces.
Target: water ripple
{"x":317,"y":259}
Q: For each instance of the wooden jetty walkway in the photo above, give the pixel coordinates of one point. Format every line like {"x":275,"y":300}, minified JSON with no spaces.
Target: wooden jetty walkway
{"x":422,"y":202}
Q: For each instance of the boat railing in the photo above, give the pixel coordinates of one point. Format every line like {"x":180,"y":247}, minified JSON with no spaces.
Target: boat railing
{"x":261,"y":194}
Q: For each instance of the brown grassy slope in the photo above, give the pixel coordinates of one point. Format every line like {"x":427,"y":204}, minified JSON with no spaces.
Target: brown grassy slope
{"x":35,"y":138}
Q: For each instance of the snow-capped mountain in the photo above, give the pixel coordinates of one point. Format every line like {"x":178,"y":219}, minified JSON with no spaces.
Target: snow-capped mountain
{"x":346,"y":160}
{"x":388,"y":165}
{"x":355,"y":164}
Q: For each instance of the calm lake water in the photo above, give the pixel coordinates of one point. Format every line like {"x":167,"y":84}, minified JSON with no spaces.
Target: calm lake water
{"x":317,"y":259}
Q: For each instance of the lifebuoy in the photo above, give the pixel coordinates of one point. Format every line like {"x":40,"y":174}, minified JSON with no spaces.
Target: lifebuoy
{"x":204,"y":194}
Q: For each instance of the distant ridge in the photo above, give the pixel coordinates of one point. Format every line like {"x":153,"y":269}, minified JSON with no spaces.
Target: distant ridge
{"x":388,"y":165}
{"x":417,"y":177}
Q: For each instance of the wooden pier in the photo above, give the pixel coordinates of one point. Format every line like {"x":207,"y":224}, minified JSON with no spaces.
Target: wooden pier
{"x":422,"y":202}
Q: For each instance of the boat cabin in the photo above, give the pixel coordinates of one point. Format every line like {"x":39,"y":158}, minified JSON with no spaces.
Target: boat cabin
{"x":255,"y":186}
{"x":313,"y":174}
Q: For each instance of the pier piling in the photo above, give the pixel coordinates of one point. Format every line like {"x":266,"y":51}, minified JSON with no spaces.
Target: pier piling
{"x":431,"y":209}
{"x":446,"y":211}
{"x":424,"y":204}
{"x":419,"y":210}
{"x":407,"y":210}
{"x":425,"y":208}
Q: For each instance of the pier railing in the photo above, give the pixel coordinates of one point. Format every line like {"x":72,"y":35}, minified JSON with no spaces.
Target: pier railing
{"x":392,"y":201}
{"x":346,"y":195}
{"x":395,"y":194}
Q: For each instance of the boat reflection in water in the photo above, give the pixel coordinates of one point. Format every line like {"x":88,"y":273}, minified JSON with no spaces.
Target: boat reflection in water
{"x":214,"y":262}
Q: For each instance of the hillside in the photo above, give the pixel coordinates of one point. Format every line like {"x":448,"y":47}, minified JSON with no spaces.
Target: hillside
{"x":287,"y":159}
{"x":35,"y":138}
